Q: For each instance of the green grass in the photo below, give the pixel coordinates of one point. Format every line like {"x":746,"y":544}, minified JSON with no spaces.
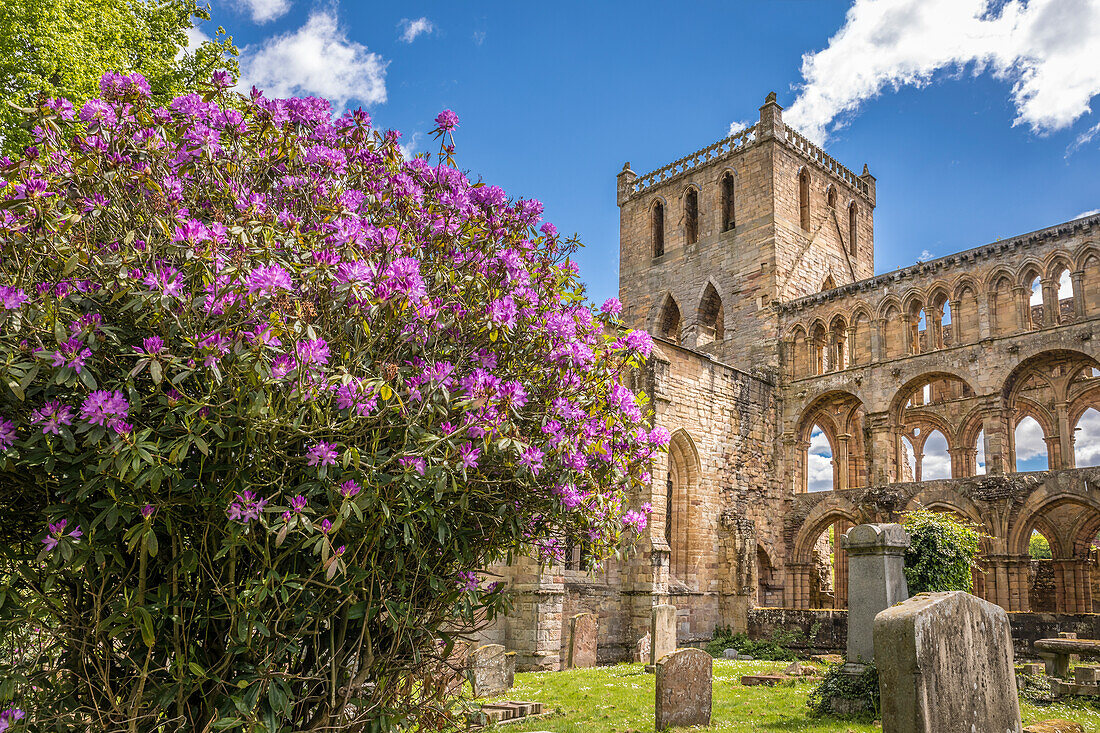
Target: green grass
{"x":619,"y":699}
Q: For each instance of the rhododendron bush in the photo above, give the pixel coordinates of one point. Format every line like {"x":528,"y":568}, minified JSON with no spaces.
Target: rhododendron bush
{"x":272,"y":396}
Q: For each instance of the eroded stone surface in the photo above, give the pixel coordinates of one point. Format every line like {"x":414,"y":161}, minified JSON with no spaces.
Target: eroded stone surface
{"x":641,"y":650}
{"x":1055,"y":726}
{"x":662,"y":632}
{"x":945,"y":665}
{"x":683,"y":689}
{"x":583,"y":631}
{"x":492,"y":670}
{"x":876,"y":581}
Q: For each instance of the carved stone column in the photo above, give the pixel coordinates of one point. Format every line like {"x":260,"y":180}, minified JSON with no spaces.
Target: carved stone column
{"x":1050,"y":302}
{"x":956,"y":327}
{"x":1078,"y":280}
{"x":1065,"y":436}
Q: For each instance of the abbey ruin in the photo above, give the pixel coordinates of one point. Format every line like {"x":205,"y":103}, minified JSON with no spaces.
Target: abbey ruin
{"x":751,"y":262}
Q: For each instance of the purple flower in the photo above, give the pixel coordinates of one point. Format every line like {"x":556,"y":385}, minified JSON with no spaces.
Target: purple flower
{"x":57,"y":531}
{"x":7,"y":434}
{"x":469,"y":455}
{"x":221,"y":79}
{"x":467,"y":580}
{"x":416,"y":463}
{"x":326,"y":525}
{"x":446,"y":120}
{"x":349,"y":489}
{"x":659,"y":436}
{"x":153,"y":345}
{"x":10,"y":717}
{"x":298,"y":503}
{"x":640,"y":341}
{"x":266,"y":280}
{"x":246,"y":507}
{"x":12,"y":297}
{"x":532,"y":459}
{"x":322,"y":454}
{"x":634,"y":519}
{"x":313,"y":351}
{"x":101,"y":406}
{"x":612,"y":307}
{"x":51,"y":416}
{"x":147,"y":511}
{"x":73,"y":353}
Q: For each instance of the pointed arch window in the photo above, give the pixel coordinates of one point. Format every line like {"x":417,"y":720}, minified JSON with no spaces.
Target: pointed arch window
{"x":728,"y":208}
{"x":804,"y":199}
{"x":657,"y":225}
{"x":691,"y":216}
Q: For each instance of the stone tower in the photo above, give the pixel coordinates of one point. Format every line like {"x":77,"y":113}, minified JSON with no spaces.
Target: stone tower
{"x":711,"y":243}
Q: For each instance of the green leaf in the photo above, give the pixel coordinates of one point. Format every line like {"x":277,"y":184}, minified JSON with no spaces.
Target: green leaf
{"x":145,"y":624}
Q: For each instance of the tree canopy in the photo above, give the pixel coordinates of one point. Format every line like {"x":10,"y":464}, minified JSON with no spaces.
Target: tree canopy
{"x":942,"y":554}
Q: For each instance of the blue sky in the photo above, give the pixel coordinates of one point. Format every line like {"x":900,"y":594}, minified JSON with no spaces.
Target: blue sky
{"x":975,"y":119}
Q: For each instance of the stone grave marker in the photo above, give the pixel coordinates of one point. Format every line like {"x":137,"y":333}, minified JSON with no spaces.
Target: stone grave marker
{"x":662,"y":632}
{"x":583,"y":629}
{"x":684,"y":689}
{"x":945,"y":665}
{"x":729,"y":654}
{"x":492,"y":671}
{"x":876,"y":581}
{"x":641,"y":652}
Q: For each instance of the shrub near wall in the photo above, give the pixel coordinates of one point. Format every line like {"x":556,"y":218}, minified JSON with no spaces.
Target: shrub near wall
{"x":942,"y":554}
{"x":271,"y":394}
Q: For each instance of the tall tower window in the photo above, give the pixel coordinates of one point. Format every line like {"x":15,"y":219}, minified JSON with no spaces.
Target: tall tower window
{"x":657,"y":223}
{"x":853,"y":221}
{"x":804,"y":199}
{"x":728,"y":218}
{"x":691,"y":216}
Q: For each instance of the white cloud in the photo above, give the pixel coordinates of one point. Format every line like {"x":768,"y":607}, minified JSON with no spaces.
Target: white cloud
{"x":479,"y":38}
{"x":317,"y":59}
{"x":409,"y":149}
{"x":819,"y":471}
{"x":195,"y":38}
{"x":936,"y":462}
{"x":1031,"y":450}
{"x":736,"y":127}
{"x":1045,"y":49}
{"x":1090,"y":212}
{"x":414,"y":28}
{"x":925,"y":255}
{"x":1086,"y":445}
{"x":265,"y":10}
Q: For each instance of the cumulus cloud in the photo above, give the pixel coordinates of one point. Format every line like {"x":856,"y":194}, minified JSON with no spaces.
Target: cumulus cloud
{"x":479,"y":38}
{"x":1031,"y":450}
{"x":819,"y":472}
{"x":409,"y":149}
{"x":736,"y":127}
{"x":925,"y":255}
{"x":317,"y":59}
{"x":264,"y":10}
{"x":1090,"y":212}
{"x":410,"y":29}
{"x":1045,"y":49}
{"x":936,"y":462}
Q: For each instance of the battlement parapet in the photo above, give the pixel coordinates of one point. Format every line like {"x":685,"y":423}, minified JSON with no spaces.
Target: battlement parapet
{"x":699,"y":158}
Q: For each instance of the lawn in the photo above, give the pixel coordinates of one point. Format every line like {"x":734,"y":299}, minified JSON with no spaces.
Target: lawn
{"x":619,"y":699}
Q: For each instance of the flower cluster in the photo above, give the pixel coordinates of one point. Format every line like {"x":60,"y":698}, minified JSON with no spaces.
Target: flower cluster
{"x":56,"y":532}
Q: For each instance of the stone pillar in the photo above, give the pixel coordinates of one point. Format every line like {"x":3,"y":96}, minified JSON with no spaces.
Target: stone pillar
{"x":883,"y":449}
{"x":771,"y":119}
{"x":797,"y":588}
{"x":1023,"y":307}
{"x":994,"y":424}
{"x":1050,"y":302}
{"x":1078,"y":279}
{"x":850,"y":346}
{"x":1019,"y":575}
{"x":841,"y":460}
{"x":956,"y":328}
{"x":1065,"y":436}
{"x":876,"y":581}
{"x":910,"y":339}
{"x":625,"y":187}
{"x":878,"y":340}
{"x":534,"y":629}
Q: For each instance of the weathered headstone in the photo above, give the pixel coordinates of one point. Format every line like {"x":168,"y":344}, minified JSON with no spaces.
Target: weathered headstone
{"x":684,"y":688}
{"x":945,"y":665}
{"x":876,"y":581}
{"x":492,"y":671}
{"x":583,"y":629}
{"x":1032,"y":669}
{"x":662,"y":632}
{"x":1086,"y":674}
{"x":641,"y":651}
{"x":729,"y":654}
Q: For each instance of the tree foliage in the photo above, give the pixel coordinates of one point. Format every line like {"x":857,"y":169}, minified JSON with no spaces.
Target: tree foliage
{"x":942,"y":554}
{"x":1038,"y":547}
{"x":270,"y":396}
{"x":61,"y":48}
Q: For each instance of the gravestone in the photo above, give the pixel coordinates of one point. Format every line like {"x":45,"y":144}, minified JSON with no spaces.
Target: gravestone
{"x":729,"y":654}
{"x":945,"y":665}
{"x":683,"y":689}
{"x":662,"y":632}
{"x":641,"y":652}
{"x":876,"y":581}
{"x":492,"y":671}
{"x":583,"y":629}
